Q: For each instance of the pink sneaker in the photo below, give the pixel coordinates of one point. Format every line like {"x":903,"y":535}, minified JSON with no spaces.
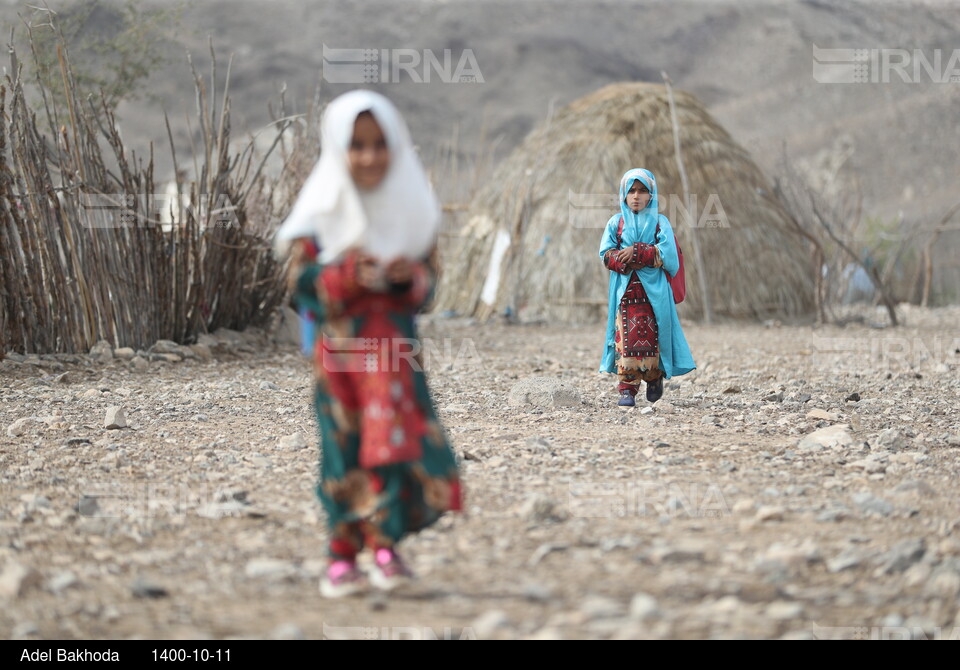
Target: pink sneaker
{"x":342,"y":579}
{"x":389,"y":570}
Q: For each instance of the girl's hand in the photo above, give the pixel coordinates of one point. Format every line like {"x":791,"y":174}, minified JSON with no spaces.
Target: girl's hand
{"x":624,"y":255}
{"x":368,"y":271}
{"x":400,"y":271}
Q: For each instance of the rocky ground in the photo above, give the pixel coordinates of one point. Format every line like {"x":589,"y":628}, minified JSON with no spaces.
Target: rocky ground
{"x":803,"y":483}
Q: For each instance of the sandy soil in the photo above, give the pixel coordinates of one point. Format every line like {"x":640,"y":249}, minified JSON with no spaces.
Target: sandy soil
{"x":719,"y":512}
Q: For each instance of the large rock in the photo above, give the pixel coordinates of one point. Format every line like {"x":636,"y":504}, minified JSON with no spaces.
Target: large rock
{"x":21,"y":426}
{"x":294,"y":441}
{"x":165,"y":347}
{"x":891,"y":439}
{"x":543,"y":392}
{"x":16,"y":578}
{"x":286,"y":327}
{"x":115,"y":419}
{"x":102,"y":352}
{"x":831,"y":437}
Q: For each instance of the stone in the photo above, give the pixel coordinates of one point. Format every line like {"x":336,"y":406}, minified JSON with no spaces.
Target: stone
{"x":685,"y":551}
{"x":139,"y":364}
{"x":87,"y":506}
{"x":287,"y":631}
{"x":126,"y":353}
{"x":16,"y":579}
{"x":537,"y":593}
{"x":543,"y":392}
{"x":21,"y":426}
{"x":870,"y":504}
{"x":784,"y":610}
{"x":24,"y":629}
{"x":102,"y":352}
{"x":891,"y":439}
{"x":913,"y":488}
{"x":600,"y":607}
{"x":488,"y":623}
{"x":61,"y":581}
{"x":543,"y":551}
{"x":902,"y":556}
{"x":853,"y":397}
{"x":870,"y":465}
{"x":144,"y":588}
{"x":115,"y":419}
{"x":165,"y":347}
{"x":287,"y":326}
{"x":794,"y":557}
{"x":540,"y":508}
{"x":833,"y":514}
{"x":943,"y":584}
{"x":830,"y":437}
{"x":770,"y":513}
{"x":268,"y":386}
{"x":546,"y":633}
{"x":295,"y":441}
{"x":232,"y":495}
{"x":822,"y":415}
{"x":270,"y":568}
{"x":644,"y":607}
{"x":846,"y":560}
{"x":201,"y":351}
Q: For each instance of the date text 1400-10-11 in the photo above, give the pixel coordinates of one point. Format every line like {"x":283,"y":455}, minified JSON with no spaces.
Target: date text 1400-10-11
{"x":202,"y":655}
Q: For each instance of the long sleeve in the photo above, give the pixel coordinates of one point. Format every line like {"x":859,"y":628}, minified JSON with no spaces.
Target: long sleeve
{"x":642,"y":256}
{"x":340,"y":291}
{"x":609,"y":245}
{"x":612,"y":264}
{"x":303,"y":272}
{"x":667,"y":247}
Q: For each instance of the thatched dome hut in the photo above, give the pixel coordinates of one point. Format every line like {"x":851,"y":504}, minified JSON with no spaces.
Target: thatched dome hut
{"x":531,"y":238}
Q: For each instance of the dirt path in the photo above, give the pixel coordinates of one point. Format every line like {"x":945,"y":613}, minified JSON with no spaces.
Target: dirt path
{"x":709,"y":516}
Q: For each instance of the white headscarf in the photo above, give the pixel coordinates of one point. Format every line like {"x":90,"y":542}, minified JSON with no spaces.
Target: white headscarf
{"x":398,"y":218}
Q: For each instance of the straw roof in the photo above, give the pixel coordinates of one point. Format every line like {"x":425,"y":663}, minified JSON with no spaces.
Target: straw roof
{"x":533,"y":231}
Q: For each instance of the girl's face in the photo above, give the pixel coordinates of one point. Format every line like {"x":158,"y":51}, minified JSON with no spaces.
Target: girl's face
{"x":368,"y":155}
{"x":638,"y":196}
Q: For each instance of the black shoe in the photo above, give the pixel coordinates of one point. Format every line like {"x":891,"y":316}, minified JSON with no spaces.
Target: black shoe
{"x":655,"y":390}
{"x":626,"y":399}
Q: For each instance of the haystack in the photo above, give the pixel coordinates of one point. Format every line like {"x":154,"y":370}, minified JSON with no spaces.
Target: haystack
{"x":533,"y":231}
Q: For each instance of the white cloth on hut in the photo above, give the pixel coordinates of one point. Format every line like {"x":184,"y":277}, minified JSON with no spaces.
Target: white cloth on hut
{"x":398,"y":218}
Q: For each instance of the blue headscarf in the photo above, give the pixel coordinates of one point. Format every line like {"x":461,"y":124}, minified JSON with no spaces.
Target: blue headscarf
{"x":639,"y":226}
{"x":675,"y":356}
